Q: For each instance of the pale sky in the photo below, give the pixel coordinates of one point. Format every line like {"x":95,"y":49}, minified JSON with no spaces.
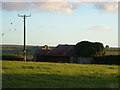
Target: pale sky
{"x":54,"y":23}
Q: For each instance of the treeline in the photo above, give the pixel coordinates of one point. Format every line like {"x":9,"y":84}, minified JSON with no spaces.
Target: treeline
{"x":12,"y":57}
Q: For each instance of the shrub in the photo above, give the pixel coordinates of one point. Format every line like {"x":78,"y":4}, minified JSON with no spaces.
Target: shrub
{"x":88,"y":49}
{"x":12,"y":57}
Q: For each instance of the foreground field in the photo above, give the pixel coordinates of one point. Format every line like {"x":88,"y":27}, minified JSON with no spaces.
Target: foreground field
{"x":19,"y":74}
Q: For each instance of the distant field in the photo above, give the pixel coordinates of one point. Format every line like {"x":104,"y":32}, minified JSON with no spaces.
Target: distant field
{"x":18,"y":50}
{"x":15,"y":49}
{"x":113,"y":51}
{"x":19,"y":74}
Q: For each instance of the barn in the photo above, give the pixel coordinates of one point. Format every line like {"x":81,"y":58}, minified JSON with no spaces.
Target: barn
{"x":61,"y":53}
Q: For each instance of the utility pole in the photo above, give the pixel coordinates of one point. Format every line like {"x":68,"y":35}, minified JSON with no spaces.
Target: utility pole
{"x":24,"y":17}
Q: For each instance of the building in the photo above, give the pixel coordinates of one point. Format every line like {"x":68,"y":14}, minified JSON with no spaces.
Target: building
{"x":61,"y":53}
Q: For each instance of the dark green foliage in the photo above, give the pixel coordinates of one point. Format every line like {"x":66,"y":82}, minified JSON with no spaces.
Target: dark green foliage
{"x":88,"y":49}
{"x":107,"y":46}
{"x":12,"y":57}
{"x":110,"y":60}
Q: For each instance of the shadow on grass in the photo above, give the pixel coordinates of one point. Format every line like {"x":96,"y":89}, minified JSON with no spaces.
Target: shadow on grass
{"x":56,"y":81}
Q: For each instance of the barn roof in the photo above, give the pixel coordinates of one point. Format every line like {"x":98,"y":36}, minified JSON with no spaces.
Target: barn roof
{"x":60,"y":50}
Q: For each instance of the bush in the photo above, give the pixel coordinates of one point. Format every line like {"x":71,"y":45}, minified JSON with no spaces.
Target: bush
{"x":88,"y":49}
{"x":12,"y":57}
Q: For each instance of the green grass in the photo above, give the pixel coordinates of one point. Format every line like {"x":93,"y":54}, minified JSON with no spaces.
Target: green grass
{"x":16,"y":50}
{"x":19,"y":74}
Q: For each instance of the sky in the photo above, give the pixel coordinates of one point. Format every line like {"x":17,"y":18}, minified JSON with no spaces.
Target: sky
{"x":53,"y":23}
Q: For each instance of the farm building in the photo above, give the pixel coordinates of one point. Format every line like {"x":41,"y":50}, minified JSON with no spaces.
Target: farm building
{"x":61,"y":53}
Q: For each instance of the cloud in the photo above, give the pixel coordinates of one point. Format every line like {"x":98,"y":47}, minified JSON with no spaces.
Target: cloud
{"x":100,"y":28}
{"x":59,"y":7}
{"x":110,"y":7}
{"x":13,"y":6}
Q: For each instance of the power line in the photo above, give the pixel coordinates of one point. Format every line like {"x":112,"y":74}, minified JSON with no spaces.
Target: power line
{"x":24,"y":17}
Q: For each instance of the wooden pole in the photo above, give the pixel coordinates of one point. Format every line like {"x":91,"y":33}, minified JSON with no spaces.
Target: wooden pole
{"x":24,"y":39}
{"x":24,"y":48}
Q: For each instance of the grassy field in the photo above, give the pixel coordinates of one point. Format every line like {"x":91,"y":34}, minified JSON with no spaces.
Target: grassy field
{"x":19,"y":74}
{"x":18,"y":50}
{"x":15,"y":49}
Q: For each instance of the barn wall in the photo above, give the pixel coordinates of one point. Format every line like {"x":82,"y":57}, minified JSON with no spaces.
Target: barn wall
{"x":81,"y":60}
{"x":53,"y":59}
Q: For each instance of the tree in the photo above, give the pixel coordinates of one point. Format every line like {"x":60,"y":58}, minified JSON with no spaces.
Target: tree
{"x":106,"y":46}
{"x":88,"y":49}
